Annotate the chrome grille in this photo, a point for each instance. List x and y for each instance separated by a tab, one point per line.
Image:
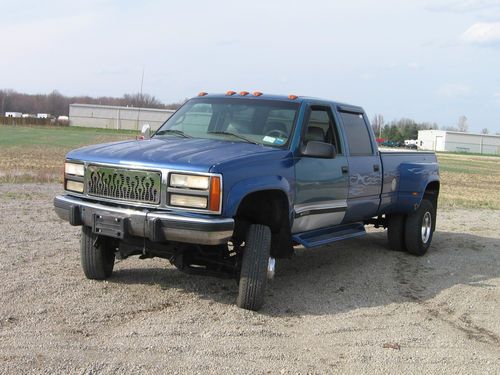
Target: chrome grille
123	184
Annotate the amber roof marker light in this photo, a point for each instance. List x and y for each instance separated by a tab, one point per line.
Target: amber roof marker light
229	93
257	93
202	93
244	93
292	97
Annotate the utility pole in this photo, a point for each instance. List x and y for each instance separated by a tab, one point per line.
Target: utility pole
141	100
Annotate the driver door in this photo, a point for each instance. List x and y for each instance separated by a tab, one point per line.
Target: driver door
321	184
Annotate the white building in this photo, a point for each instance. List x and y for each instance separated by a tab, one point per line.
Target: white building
115	117
13	114
443	140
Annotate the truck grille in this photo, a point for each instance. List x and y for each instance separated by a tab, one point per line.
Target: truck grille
123	184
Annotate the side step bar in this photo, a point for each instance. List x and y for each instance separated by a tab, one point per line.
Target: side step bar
324	236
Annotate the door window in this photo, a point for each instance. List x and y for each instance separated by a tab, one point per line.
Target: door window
322	128
357	134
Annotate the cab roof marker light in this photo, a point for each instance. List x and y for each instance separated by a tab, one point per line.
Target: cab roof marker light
202	93
229	93
257	93
292	97
244	93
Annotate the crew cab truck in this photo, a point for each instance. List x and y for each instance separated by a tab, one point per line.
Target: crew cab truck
231	182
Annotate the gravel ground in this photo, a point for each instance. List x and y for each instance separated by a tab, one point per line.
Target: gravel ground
353	307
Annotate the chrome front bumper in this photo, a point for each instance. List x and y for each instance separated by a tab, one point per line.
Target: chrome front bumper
155	225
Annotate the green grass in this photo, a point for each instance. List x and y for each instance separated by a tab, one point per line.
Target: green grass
36	153
71	137
469	181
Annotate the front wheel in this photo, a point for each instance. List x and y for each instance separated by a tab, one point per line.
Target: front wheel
97	256
254	267
419	228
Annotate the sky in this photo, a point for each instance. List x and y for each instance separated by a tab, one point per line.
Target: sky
425	60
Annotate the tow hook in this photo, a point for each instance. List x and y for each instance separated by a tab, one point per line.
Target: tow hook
271	267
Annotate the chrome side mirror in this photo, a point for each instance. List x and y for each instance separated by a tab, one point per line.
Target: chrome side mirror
146	131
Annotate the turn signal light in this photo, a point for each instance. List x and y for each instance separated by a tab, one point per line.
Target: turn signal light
215	191
292	97
203	93
230	92
244	93
257	93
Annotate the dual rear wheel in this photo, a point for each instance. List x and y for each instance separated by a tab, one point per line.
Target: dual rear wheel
412	233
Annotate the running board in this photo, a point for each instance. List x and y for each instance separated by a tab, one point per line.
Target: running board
320	237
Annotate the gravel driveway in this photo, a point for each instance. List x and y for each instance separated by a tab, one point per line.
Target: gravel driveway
353	307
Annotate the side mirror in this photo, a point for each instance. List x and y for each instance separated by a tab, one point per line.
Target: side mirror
146	131
317	149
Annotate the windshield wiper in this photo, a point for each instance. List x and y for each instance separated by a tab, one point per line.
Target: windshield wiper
234	135
173	131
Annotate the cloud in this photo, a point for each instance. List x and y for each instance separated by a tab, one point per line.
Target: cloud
454	90
482	33
414	65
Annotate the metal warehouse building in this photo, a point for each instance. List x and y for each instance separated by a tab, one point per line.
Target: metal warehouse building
114	117
441	140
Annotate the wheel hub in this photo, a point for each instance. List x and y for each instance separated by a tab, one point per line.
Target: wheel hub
271	266
426	227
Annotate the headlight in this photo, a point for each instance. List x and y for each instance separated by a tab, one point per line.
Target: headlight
191	191
189	181
74	169
188	201
74	186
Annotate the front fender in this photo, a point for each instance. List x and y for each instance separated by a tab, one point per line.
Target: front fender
251	185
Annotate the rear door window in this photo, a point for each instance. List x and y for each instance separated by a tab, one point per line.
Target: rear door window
356	130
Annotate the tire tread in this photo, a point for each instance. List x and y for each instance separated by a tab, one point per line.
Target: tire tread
254	268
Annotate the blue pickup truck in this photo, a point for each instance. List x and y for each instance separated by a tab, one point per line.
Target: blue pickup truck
231	182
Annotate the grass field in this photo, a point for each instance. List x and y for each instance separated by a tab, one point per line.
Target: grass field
36	154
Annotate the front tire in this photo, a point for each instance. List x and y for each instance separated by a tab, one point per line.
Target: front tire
253	277
97	261
420	228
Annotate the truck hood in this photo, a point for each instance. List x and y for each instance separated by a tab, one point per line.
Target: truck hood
170	153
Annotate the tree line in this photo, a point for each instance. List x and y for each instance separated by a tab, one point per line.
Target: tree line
57	104
402	129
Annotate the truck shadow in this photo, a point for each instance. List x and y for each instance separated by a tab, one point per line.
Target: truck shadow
348	275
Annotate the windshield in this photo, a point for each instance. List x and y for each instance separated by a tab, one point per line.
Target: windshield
259	121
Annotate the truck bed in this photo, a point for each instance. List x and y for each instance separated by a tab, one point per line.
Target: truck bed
415	167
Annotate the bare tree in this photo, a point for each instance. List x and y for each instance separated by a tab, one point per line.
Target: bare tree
463	124
57	104
377	124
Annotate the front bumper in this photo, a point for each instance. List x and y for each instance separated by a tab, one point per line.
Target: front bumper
154	225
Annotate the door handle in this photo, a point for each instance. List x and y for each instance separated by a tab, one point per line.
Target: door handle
345	169
376	167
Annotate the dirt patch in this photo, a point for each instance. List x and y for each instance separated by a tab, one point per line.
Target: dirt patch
353	307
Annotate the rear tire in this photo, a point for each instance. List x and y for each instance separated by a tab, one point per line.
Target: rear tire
97	261
420	228
253	277
396	232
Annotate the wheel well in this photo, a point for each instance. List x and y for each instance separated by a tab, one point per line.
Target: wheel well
267	207
431	192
